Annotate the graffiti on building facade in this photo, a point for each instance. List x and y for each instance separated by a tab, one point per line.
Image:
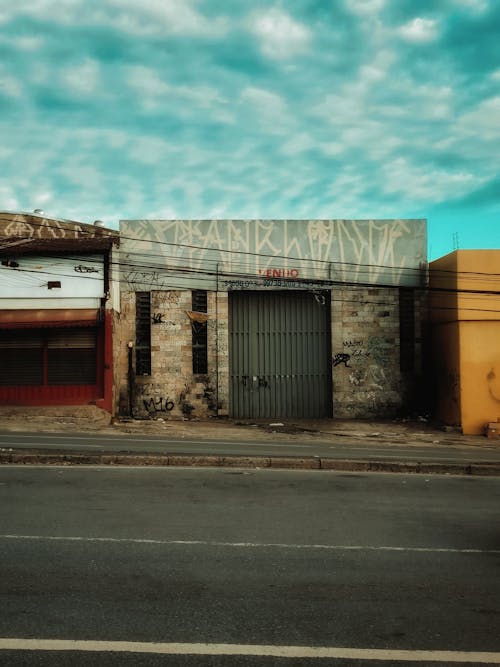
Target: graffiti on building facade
352	343
341	358
86	269
155	404
374	251
368	362
38	227
157	318
379	349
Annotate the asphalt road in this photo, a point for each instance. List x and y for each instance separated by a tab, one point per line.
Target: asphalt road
376	450
247	562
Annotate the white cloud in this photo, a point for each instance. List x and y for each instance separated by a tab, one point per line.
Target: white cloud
168	16
363	125
115	138
340	108
475	5
9	85
82	79
203	96
419	30
149	18
365	7
148	150
483	121
8	198
83	175
52	10
419	182
279	34
297	144
42	198
432	102
264	101
377	68
146	81
154	91
23	43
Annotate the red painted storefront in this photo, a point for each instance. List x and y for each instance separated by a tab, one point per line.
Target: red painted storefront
56	357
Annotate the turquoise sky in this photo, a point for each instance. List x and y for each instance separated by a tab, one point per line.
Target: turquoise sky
116	109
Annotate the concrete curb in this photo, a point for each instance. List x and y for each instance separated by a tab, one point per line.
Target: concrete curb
274	462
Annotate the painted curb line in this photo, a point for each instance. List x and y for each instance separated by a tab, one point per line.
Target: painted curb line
273	462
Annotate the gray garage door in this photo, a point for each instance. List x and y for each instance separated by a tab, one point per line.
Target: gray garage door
279	354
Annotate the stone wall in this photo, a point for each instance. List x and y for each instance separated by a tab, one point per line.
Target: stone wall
171	391
367	380
365	352
222	353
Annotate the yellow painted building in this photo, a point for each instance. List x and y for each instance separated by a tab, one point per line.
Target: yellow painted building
465	317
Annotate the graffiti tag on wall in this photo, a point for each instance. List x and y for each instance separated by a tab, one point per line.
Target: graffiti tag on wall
356	250
158	404
34	227
379	349
341	358
368	361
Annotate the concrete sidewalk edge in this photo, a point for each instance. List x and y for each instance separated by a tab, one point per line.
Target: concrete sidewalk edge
255	462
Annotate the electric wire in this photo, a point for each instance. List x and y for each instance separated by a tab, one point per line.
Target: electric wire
209	276
118	235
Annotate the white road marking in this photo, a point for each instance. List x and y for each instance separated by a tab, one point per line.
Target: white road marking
249	545
331	652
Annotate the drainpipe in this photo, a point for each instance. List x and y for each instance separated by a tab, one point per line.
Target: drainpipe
130	377
217	341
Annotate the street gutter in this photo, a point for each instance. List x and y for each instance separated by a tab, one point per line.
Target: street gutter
255	462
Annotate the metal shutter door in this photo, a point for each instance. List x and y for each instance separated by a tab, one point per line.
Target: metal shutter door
279	355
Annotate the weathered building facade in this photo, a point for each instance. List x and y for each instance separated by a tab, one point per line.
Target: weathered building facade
465	315
57	301
270	318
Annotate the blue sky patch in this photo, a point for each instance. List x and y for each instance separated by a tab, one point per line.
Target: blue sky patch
205	109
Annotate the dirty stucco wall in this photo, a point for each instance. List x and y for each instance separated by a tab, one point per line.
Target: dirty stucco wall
447	401
479	374
465	307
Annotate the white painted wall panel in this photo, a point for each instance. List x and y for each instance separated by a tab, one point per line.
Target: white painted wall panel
80	278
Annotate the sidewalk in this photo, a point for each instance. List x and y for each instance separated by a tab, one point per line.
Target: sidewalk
381	442
90	419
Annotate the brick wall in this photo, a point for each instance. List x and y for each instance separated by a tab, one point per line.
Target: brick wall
367	380
171	391
222	354
365	349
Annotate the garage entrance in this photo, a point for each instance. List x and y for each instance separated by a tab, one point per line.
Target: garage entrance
279	354
50	366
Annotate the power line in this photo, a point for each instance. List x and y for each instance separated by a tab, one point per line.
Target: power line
230	251
360	268
307	286
201	274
